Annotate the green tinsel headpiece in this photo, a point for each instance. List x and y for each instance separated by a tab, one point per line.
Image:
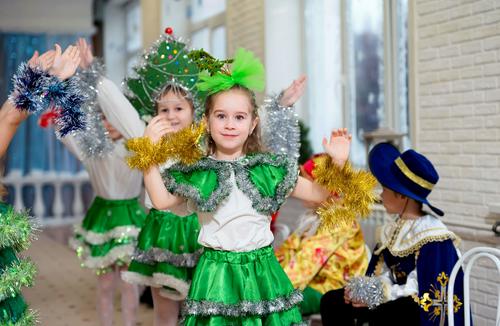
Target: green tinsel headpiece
165	63
246	71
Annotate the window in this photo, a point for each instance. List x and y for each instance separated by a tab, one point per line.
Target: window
370	67
376	69
207	26
133	45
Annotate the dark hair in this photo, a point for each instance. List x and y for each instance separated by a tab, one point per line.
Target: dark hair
177	91
253	143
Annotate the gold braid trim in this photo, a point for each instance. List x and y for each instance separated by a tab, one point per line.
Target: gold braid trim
354	187
183	146
416	247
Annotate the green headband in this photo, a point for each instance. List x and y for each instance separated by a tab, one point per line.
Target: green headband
247	71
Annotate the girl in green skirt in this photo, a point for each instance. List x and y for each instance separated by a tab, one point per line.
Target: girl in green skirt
234	190
105	240
167	249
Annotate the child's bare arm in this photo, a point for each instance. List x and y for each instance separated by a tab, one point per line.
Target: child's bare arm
158	193
310	191
10	119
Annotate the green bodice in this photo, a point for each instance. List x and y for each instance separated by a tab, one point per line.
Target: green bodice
267	179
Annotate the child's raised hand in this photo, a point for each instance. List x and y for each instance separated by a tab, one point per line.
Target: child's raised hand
294	92
86	55
43	61
157	128
33	61
338	146
65	64
46	60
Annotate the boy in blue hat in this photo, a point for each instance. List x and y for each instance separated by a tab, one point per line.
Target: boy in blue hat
406	281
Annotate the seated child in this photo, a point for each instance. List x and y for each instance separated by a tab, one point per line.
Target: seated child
406	282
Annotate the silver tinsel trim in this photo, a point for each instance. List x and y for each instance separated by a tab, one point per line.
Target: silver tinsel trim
100	238
159	255
241	167
280	129
189	191
264	204
120	253
367	290
93	141
244	308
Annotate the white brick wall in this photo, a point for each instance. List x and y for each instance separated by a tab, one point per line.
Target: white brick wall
245	26
457	71
245	21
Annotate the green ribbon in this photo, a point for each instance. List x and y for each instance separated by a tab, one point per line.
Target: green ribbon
247	71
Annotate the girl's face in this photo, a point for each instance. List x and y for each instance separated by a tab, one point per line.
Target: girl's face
231	121
176	109
393	202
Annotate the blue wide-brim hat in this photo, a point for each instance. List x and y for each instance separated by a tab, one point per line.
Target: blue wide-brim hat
410	173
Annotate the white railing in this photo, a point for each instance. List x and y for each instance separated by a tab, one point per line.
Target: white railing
471	256
39	179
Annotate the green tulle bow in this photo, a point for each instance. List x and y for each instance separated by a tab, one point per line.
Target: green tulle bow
247	71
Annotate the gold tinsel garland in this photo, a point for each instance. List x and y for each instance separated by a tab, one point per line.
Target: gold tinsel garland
183	146
355	190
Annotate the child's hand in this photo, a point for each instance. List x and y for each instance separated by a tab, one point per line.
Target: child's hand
347	297
43	61
347	300
294	92
157	128
46	60
33	62
65	64
86	55
338	146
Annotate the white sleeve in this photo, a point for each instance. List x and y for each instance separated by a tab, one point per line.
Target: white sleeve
118	110
147	201
70	143
396	291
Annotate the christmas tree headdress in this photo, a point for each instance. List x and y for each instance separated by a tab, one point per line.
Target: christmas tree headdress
167	63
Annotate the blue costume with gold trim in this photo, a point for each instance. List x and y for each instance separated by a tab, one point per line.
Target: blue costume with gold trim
416	257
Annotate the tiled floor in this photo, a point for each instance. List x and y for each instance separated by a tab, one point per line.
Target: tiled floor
64	293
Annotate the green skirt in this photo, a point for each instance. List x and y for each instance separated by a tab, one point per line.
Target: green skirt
108	233
241	288
166	253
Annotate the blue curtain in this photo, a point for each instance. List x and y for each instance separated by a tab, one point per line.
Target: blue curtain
33	148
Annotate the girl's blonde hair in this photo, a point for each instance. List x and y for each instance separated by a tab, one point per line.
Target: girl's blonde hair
253	143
